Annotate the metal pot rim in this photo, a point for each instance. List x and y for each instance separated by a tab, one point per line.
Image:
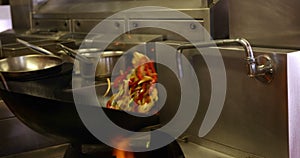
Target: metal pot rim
102	54
111	53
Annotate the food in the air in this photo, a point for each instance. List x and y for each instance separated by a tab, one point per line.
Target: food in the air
136	87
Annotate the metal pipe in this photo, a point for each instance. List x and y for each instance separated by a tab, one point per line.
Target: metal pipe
246	45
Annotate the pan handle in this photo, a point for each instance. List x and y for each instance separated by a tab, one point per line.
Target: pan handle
4	82
74	54
34	47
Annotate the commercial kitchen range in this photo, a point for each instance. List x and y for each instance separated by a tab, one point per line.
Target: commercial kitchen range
257	76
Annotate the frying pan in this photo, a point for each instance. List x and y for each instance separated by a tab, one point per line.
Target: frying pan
21	67
26	66
94	63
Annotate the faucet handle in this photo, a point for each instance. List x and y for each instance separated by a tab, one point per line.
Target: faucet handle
265	68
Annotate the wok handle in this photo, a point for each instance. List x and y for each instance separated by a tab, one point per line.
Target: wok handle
4	82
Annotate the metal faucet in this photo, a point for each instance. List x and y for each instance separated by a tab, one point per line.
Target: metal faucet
254	70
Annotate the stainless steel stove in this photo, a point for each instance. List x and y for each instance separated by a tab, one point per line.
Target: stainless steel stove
258	119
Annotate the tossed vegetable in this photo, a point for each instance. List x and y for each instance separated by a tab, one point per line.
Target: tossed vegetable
136	87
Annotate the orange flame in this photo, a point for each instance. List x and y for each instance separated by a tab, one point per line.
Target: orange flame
121	153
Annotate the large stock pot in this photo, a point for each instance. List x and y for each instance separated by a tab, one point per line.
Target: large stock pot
104	61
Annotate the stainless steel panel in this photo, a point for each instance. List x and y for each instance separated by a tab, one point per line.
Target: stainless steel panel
219	20
293	66
192	150
187	27
82	25
111	26
266	23
53	25
45	13
255	118
135	42
58	7
21	14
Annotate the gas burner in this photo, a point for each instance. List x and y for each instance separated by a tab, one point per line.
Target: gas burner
99	151
172	150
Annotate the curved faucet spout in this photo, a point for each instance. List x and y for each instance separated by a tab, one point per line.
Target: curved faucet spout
249	56
252	65
243	42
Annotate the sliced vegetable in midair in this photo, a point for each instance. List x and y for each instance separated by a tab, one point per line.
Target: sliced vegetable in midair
136	86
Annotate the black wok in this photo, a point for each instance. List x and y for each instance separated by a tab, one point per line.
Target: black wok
54	112
50	109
